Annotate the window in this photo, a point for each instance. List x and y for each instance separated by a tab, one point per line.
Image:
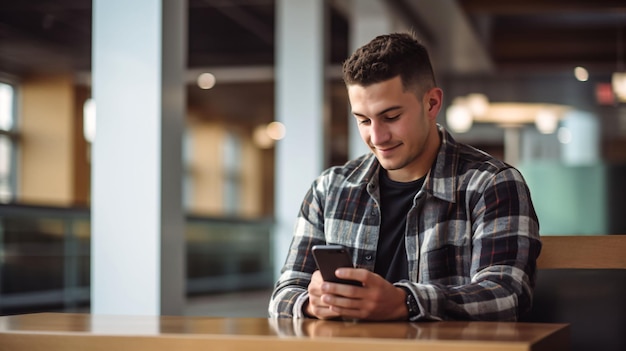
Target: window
8	143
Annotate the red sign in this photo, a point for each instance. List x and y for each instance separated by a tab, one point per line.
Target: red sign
604	94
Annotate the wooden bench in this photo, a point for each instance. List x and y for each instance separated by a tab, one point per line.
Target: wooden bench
581	280
583	252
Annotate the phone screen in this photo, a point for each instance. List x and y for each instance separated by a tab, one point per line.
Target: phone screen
330	257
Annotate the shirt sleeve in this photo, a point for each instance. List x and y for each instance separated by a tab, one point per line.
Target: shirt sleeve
505	245
290	292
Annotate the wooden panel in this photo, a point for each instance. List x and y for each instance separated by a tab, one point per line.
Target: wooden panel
592	252
46	145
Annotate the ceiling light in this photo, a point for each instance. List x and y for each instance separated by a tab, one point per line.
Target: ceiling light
581	74
89	120
206	81
477	103
546	121
276	130
519	113
266	135
459	118
619	85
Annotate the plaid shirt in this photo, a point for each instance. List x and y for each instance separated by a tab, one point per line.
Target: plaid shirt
472	235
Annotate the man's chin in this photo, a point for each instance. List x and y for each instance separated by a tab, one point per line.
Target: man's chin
387	164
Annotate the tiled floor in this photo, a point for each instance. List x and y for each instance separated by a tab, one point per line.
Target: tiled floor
240	304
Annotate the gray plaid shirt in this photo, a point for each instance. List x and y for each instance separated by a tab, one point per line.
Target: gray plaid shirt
472	235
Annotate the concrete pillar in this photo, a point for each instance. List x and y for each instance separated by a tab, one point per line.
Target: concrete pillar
137	218
300	61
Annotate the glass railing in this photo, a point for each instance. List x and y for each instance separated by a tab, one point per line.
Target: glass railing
45	257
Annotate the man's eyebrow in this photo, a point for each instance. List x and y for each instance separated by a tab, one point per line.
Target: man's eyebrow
387	110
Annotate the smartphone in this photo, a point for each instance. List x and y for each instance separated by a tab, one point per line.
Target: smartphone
330	257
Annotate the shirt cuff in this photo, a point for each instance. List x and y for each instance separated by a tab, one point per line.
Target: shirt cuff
297	306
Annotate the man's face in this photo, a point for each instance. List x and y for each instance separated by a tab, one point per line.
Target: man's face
398	126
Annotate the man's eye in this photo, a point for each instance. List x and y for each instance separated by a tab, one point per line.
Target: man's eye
391	118
364	121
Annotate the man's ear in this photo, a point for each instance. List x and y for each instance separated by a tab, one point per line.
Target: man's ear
434	98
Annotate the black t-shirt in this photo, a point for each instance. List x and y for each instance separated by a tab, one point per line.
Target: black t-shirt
396	198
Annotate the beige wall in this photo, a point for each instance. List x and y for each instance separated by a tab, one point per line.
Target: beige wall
205	166
46	107
207	174
252	178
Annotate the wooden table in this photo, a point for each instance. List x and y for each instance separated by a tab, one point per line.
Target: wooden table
68	332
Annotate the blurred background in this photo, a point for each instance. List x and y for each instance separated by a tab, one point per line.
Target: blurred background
540	84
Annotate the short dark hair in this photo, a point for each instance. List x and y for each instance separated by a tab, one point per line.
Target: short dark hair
388	56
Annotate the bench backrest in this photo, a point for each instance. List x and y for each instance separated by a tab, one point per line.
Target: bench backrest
581	280
584	252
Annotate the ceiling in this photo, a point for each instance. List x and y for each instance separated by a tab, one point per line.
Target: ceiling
554	34
518	35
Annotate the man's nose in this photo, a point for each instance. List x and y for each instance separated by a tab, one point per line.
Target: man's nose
379	133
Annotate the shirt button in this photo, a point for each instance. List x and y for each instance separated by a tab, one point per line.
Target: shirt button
368	257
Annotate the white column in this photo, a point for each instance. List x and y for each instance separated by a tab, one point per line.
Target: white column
300	53
137	244
368	19
580	137
512	137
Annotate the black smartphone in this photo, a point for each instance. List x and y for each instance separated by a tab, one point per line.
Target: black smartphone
330	257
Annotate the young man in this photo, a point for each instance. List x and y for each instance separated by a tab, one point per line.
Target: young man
437	229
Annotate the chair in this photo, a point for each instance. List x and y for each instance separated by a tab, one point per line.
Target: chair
581	280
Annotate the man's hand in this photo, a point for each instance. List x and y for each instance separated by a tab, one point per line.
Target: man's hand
377	299
316	307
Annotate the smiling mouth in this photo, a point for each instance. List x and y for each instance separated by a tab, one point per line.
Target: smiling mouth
387	150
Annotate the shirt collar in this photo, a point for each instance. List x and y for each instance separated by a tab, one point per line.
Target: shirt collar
442	178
